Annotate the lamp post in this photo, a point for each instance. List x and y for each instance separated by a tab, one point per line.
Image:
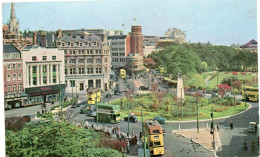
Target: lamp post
143	134
197	112
213	128
104	88
181	107
244	82
96	108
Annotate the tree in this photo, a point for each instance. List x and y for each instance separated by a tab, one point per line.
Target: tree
223	88
57	139
204	66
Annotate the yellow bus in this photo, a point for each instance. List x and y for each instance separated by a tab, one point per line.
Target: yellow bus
93	96
154	137
161	70
250	94
122	73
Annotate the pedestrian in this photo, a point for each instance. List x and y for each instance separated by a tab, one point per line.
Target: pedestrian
255	128
140	136
231	125
245	145
217	127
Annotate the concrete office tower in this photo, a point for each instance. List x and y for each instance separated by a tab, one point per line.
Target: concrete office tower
180	89
136	40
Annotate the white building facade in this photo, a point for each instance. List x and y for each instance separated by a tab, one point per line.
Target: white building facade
43	74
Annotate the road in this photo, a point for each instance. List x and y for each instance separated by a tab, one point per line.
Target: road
231	140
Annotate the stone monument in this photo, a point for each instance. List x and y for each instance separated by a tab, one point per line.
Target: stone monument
180	90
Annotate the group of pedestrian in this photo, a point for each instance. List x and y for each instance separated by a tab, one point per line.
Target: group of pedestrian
44	107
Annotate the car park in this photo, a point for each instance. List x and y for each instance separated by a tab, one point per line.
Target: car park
160	119
132	118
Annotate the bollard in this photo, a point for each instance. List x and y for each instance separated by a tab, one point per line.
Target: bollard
179	126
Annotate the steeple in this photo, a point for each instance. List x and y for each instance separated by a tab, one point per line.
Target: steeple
13	24
12	15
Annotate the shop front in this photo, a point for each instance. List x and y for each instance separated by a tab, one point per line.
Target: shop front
38	95
15	100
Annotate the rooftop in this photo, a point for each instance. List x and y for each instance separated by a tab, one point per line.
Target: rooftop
79	39
10	48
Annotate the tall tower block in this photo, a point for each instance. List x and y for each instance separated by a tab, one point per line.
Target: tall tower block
136	40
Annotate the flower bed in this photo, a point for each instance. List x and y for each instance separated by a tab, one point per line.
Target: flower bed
220	109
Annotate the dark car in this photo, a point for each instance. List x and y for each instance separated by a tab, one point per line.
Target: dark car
27	118
143	88
160	119
74	105
214	95
132	118
108	96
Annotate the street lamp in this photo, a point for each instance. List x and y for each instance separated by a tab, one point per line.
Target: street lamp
197	112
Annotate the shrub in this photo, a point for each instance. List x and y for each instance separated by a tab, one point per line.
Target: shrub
14	123
243	73
220	109
226	72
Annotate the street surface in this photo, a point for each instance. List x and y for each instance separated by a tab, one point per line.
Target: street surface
176	145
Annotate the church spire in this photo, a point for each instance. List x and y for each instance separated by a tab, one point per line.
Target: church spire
12	15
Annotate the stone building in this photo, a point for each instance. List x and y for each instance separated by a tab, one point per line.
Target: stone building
13	77
177	35
43	74
87	61
134	64
119	49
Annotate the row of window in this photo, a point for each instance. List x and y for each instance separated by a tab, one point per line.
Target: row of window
79	44
44	68
12	56
74	52
14	78
118	49
14	88
19	66
88	61
82	71
98	83
117	43
44	58
118	60
116	54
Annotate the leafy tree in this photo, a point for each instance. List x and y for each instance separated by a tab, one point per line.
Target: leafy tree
57	139
223	88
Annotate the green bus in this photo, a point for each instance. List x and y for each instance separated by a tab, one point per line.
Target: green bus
108	113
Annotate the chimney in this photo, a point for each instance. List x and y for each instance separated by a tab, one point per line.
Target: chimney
59	34
35	37
43	39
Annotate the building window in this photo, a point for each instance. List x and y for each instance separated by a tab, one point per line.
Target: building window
14	88
19	76
100	51
105	60
44	58
121	43
8	77
65	71
19	66
72	71
19	88
72	61
81	60
34	69
98	70
14	76
98	83
8	66
33	58
9	89
90	61
114	49
54	79
72	83
54	58
105	69
53	68
98	60
81	70
14	66
90	70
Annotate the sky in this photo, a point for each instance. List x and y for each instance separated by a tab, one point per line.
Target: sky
221	22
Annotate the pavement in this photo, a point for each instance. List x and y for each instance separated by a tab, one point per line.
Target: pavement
203	137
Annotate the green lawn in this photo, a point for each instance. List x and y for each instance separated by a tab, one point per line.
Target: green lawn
222	76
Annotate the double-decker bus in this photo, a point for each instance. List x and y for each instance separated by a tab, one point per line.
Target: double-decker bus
108	113
250	93
122	73
154	137
94	95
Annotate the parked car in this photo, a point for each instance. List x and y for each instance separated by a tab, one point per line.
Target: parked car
108	95
252	127
132	118
160	119
214	95
57	110
27	118
143	88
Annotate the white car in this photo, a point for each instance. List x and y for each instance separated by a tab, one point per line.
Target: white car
57	110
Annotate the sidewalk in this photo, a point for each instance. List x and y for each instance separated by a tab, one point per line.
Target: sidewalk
203	138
